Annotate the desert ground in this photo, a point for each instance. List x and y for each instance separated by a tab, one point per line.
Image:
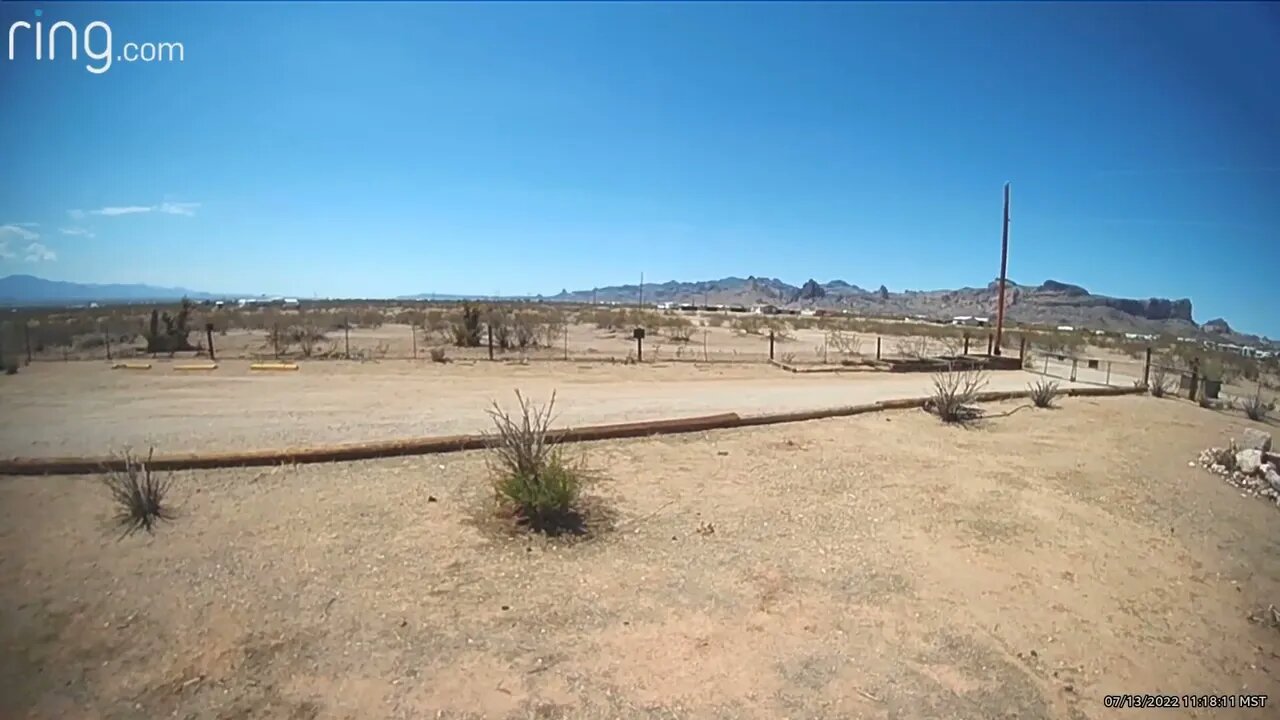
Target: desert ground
81	408
880	566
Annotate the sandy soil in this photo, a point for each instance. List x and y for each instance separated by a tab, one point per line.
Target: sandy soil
882	566
57	409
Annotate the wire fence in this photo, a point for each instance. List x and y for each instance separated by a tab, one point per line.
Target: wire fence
594	337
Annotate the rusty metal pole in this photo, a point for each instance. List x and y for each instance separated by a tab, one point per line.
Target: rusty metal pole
1004	269
346	336
1146	369
208	330
770	344
490	327
26	336
106	340
877	347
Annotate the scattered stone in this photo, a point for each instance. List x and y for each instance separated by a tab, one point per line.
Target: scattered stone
1272	477
1249	461
1255	439
1249	470
431	498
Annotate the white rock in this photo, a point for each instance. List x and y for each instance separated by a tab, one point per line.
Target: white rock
1273	477
1249	461
1254	439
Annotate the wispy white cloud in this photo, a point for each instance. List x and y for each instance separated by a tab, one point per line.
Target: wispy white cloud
37	252
76	232
76	214
167	208
124	210
178	208
18	230
5	252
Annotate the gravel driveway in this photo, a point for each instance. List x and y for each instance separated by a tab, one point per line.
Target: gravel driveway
55	409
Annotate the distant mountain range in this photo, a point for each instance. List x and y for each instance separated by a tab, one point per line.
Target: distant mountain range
28	290
1050	303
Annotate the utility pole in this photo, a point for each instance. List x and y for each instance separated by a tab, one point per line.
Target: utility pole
640	306
1004	269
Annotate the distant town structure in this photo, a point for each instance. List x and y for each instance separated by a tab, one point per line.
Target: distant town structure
971	320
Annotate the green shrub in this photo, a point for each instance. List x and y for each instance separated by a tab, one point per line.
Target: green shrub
1043	393
466	328
530	473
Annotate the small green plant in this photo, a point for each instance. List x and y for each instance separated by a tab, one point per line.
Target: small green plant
1043	393
530	473
954	392
138	494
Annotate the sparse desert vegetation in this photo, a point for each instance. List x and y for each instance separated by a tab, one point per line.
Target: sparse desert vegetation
758	570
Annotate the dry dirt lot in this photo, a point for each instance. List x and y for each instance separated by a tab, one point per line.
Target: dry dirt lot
57	409
882	566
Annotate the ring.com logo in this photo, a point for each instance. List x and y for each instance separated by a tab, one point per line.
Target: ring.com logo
95	40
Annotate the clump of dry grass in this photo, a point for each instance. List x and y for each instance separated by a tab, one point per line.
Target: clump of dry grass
954	392
138	494
1159	385
439	355
531	474
1255	408
1043	393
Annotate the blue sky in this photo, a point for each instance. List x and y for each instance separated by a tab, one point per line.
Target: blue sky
385	149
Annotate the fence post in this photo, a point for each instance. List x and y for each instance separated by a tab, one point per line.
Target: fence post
877	347
1195	378
1022	348
966	344
1074	364
106	340
771	345
490	328
275	339
1108	382
1046	365
346	336
208	331
1146	369
639	348
990	342
566	341
414	329
26	336
705	357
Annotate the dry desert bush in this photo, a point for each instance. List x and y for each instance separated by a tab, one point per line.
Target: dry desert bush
530	473
1160	382
954	393
138	495
1043	393
1255	408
